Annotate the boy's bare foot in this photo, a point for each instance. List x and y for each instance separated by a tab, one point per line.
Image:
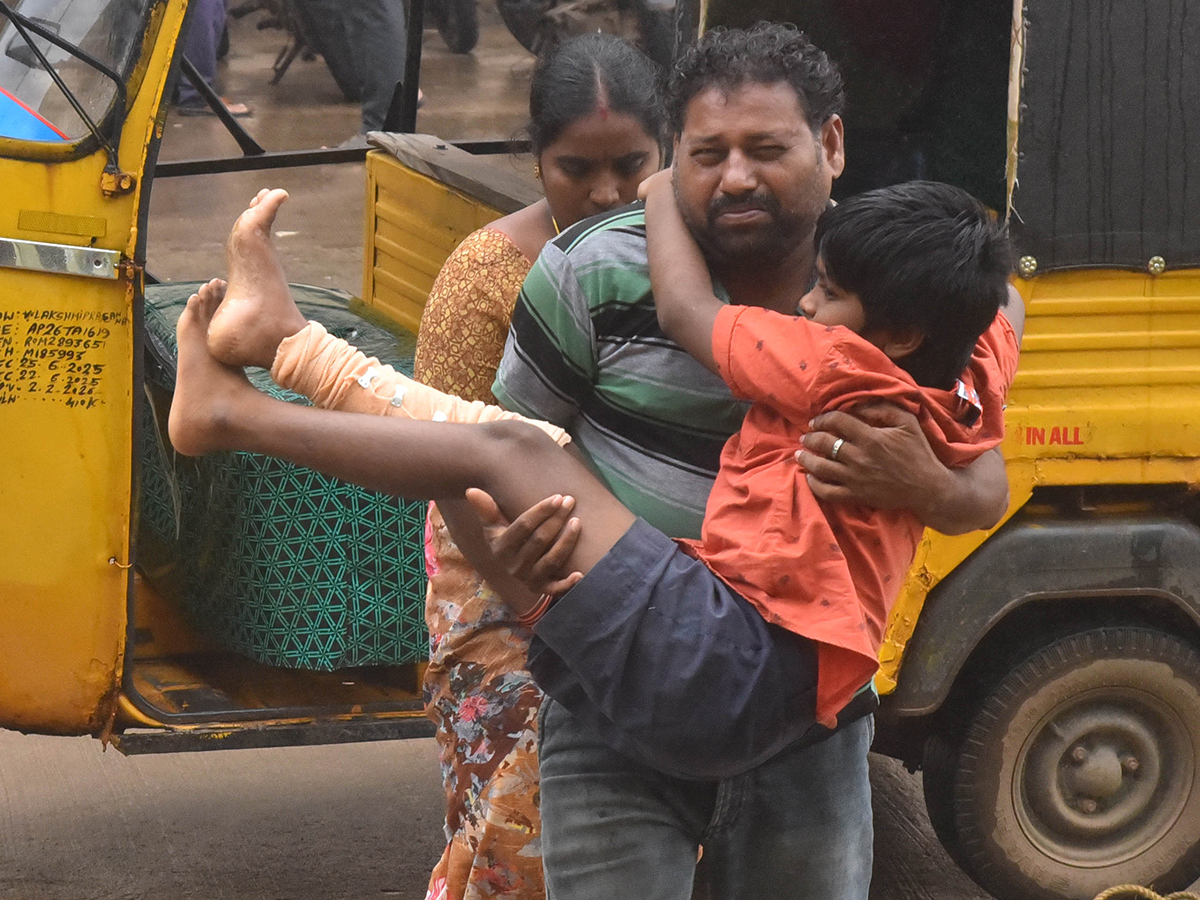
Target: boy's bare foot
208	395
258	311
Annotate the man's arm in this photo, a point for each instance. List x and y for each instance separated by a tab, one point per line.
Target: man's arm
519	560
471	537
886	462
683	294
534	548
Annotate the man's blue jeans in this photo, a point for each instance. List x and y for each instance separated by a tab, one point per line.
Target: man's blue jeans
206	24
797	826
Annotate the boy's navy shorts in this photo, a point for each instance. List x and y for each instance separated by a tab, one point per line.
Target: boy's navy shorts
672	666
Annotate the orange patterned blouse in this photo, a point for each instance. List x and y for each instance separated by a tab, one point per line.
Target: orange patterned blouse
466	317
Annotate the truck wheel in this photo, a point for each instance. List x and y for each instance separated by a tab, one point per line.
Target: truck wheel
1080	770
937	781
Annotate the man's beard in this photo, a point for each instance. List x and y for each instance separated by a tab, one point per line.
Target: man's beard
763	246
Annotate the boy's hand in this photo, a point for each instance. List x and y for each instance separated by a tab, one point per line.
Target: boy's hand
659	181
534	548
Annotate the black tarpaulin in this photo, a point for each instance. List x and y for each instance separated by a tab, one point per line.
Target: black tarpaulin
1109	165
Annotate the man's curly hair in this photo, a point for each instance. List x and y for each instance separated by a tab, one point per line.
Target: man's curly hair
768	53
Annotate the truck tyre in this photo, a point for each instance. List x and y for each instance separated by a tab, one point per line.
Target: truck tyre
937	781
1079	771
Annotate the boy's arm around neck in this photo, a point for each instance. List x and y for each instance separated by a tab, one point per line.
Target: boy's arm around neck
683	294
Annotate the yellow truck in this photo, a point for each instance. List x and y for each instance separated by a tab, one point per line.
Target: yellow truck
1044	675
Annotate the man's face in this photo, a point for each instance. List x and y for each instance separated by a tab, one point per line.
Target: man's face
751	178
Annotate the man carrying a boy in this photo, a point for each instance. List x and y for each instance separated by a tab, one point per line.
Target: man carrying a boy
759	142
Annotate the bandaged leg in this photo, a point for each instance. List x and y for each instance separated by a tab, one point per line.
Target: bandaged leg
335	375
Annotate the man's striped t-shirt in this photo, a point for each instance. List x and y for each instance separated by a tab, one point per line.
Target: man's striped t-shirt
586	353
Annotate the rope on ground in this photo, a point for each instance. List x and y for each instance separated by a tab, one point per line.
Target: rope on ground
1136	890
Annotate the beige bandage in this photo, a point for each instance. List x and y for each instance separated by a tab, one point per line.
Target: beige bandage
334	375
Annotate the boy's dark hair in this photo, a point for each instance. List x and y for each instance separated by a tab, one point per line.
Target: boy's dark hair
567	80
920	255
768	53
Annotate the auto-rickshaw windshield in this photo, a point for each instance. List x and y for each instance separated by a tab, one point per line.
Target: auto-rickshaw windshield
89	37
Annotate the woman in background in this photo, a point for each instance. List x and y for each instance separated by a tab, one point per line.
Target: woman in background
597	130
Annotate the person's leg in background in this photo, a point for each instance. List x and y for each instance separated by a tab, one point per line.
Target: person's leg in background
368	38
207	24
798	827
377	30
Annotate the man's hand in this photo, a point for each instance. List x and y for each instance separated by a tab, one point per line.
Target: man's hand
883	460
534	548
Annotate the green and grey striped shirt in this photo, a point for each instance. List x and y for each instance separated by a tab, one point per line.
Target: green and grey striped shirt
586	353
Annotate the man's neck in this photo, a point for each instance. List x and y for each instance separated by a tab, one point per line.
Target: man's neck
778	287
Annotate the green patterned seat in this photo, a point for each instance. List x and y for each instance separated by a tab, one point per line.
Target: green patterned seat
273	561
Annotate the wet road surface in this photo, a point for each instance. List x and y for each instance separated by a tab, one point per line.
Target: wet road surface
481	95
349	822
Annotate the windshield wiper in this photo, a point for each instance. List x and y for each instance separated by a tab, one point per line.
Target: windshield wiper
24	25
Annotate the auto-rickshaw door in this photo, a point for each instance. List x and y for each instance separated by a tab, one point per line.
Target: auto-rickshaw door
80	84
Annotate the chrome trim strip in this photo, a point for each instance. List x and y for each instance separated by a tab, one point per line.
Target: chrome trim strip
61	259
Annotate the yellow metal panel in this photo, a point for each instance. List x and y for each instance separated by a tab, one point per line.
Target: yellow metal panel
936	557
66	410
413	223
65	406
367	291
1108	392
51	223
1110	367
404	248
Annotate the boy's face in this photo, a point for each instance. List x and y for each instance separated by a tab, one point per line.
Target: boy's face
828	304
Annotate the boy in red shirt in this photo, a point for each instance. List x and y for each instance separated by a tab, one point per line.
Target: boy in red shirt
908	278
774	619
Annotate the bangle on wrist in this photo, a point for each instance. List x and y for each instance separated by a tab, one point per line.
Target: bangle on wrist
530	617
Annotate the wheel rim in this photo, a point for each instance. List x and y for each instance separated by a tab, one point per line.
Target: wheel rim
1103	777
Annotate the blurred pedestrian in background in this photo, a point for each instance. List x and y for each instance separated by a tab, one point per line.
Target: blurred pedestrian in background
206	26
364	41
